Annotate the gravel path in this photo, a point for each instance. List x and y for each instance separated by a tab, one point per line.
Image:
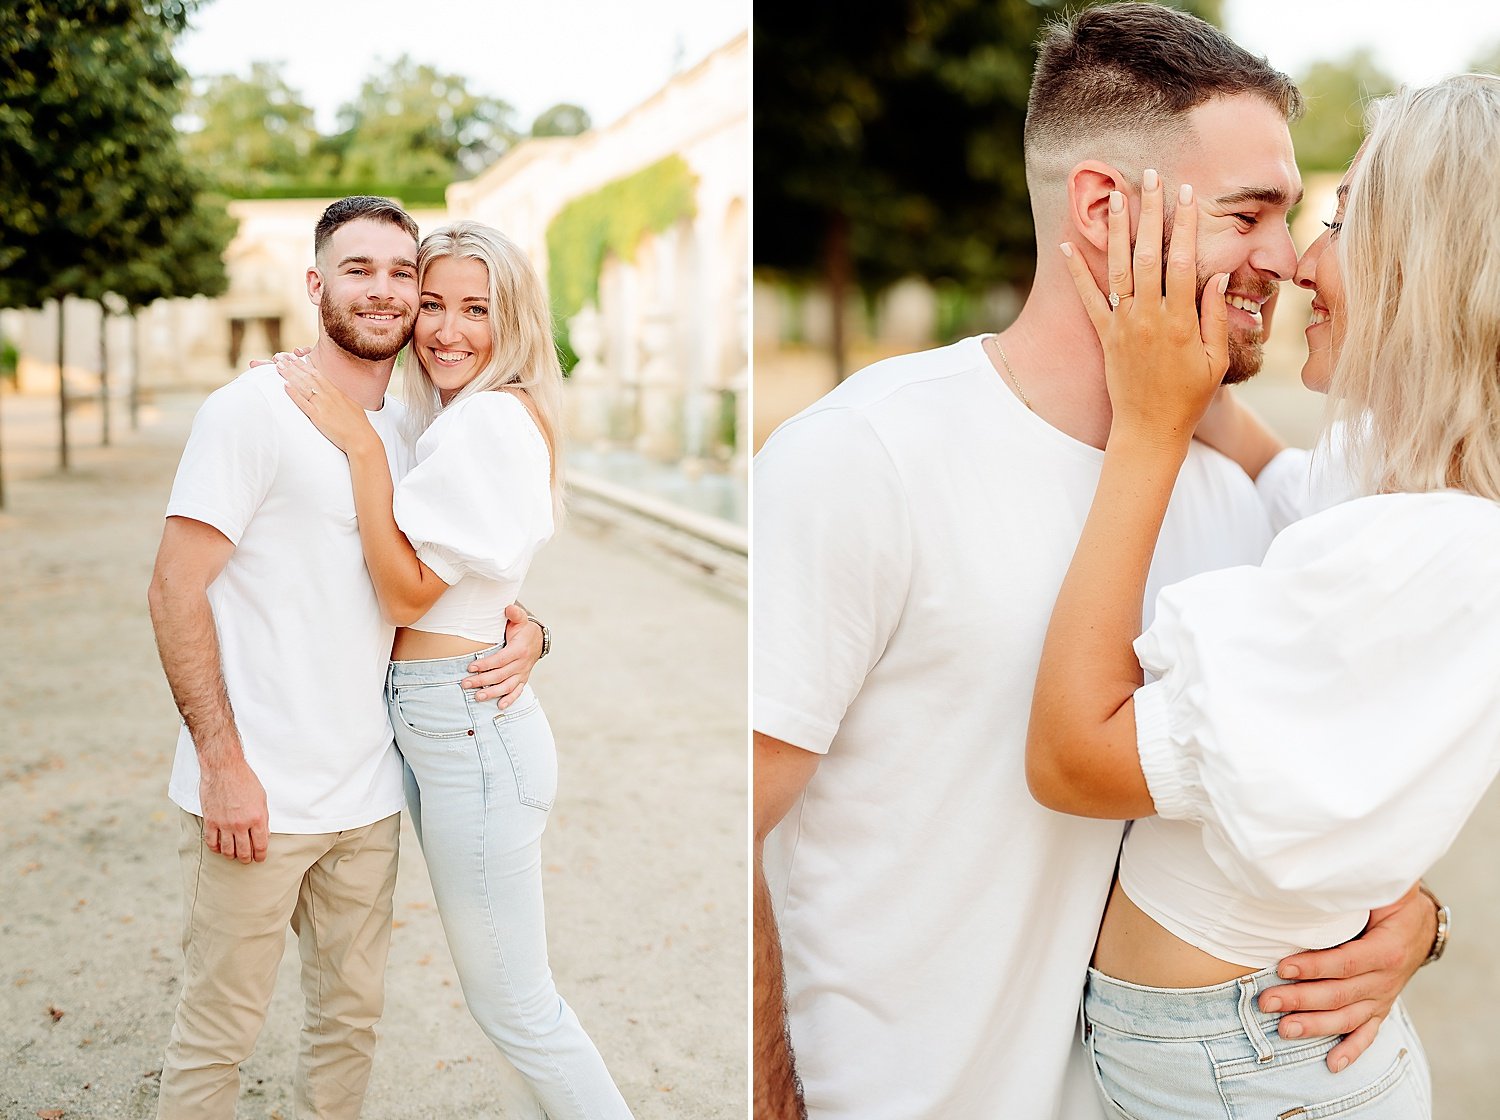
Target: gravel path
645	855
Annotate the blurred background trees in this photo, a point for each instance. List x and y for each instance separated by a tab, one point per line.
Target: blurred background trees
251	132
91	174
414	116
410	131
116	168
1336	92
850	187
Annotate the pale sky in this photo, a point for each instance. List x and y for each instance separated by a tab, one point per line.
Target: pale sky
1416	41
605	55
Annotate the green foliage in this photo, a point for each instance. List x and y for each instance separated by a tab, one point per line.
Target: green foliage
254	132
90	170
905	118
190	262
1336	92
410	132
611	220
10	359
727	423
561	120
413	122
409	194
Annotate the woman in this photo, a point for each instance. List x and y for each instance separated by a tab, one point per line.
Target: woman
1317	728
484	392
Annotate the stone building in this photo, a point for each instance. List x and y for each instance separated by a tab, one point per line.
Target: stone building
662	342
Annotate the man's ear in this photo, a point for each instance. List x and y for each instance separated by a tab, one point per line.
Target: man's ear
1089	187
314	286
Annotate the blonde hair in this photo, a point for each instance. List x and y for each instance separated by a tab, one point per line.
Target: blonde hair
1417	378
524	353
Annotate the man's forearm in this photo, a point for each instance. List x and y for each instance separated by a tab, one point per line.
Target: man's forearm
778	1093
188	646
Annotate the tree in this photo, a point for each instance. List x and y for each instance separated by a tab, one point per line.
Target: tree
411	123
90	172
254	132
1336	92
190	262
888	141
561	120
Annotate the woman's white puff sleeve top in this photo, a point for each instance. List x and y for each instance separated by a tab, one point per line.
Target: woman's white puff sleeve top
1331	717
1298	483
477	507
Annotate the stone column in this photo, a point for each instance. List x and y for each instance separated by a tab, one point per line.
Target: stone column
660	434
619	302
588	389
739	386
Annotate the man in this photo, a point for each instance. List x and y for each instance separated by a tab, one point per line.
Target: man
912	529
269	631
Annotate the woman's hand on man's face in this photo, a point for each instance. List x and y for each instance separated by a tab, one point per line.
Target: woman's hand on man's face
1164	358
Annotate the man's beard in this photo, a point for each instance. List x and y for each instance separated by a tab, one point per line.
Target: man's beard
344	330
1246	353
1246	350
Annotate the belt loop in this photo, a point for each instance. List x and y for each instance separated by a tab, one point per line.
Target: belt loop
1253	1031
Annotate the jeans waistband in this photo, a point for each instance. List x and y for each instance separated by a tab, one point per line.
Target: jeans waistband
1185	1013
436	670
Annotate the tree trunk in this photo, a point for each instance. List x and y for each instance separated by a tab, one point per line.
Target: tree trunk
62	395
838	268
104	370
135	368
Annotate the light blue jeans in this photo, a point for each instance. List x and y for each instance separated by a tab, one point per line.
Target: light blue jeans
479	785
1199	1053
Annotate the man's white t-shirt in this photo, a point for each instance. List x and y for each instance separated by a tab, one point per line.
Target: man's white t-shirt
302	642
912	529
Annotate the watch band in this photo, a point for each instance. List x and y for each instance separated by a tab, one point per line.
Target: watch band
1444	925
546	635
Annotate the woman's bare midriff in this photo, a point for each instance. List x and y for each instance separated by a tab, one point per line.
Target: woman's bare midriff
1134	948
421	645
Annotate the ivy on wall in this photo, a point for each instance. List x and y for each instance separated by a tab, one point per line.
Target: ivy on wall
610	221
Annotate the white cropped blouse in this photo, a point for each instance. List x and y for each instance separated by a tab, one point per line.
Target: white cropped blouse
477	507
1320	726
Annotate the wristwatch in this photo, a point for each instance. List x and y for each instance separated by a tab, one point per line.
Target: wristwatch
547	643
1444	923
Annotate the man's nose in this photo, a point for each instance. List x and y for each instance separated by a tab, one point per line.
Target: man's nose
1278	255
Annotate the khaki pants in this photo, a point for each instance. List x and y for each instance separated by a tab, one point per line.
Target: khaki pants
334	889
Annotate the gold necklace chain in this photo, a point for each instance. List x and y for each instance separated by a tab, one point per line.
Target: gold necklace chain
1012	373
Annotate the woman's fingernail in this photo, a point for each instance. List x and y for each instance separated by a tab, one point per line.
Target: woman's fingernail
1292	1030
1067	250
1149	180
1185	194
1286	971
1224	287
1341	1065
1116	202
1271	1005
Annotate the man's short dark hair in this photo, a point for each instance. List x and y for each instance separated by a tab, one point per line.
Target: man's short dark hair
1138	67
357	206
